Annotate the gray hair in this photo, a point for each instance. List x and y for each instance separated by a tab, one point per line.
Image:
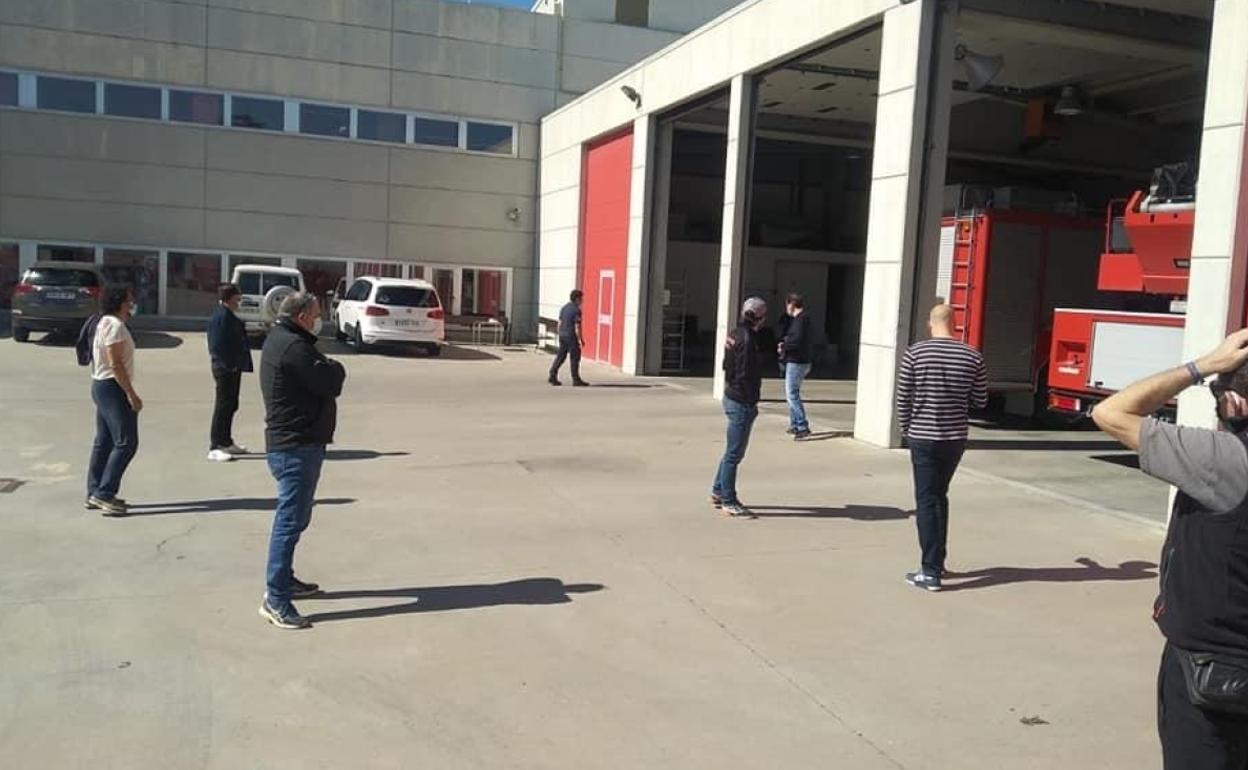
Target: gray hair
296	304
754	308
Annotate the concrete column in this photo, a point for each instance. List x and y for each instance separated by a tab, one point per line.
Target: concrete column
660	209
1220	243
638	260
901	173
736	211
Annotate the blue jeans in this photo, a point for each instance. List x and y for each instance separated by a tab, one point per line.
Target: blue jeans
116	439
793	376
740	422
934	463
297	472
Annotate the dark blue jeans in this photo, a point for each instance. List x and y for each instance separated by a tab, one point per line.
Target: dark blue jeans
116	439
568	348
297	472
740	423
793	376
934	463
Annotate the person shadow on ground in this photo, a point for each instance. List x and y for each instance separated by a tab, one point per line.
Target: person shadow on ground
1088	571
530	591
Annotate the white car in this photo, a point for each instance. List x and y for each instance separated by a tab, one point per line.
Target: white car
376	311
263	288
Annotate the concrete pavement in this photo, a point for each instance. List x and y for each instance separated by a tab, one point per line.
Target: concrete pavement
527	577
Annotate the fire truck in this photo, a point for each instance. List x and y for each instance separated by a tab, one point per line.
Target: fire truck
1145	261
1008	259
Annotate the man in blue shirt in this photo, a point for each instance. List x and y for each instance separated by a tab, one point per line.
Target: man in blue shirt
231	356
571	340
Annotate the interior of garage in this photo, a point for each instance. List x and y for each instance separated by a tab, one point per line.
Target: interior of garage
809	189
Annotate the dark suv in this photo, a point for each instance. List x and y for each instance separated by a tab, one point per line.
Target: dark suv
56	297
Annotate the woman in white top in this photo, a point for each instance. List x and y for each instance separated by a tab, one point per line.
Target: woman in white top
117	405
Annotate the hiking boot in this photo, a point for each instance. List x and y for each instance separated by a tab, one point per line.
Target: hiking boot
287	617
923	580
302	590
111	507
737	510
220	456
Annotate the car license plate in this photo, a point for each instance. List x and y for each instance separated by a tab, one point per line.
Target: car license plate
61	295
404	324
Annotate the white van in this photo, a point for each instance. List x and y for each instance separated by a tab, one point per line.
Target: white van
263	288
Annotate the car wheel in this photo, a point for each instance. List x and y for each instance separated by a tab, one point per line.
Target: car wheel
360	347
339	334
21	334
434	350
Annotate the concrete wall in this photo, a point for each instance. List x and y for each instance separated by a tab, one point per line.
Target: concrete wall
669	15
92	178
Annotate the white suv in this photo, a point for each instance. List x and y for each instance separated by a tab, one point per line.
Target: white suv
391	311
263	288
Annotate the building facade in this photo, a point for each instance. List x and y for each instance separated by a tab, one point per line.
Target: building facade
170	140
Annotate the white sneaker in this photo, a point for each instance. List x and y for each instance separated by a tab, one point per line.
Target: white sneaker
220	456
235	449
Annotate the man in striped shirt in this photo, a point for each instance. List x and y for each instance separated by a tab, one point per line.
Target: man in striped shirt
940	381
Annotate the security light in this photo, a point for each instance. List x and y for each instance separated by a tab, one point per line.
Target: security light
980	69
632	95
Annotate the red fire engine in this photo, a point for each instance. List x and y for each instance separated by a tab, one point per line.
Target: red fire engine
1147	252
1006	263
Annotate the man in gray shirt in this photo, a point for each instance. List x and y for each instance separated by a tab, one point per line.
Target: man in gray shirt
1202	606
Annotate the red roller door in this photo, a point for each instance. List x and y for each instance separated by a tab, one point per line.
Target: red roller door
605	188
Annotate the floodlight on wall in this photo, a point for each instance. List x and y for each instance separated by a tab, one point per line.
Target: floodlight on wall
1070	104
513	214
632	95
980	69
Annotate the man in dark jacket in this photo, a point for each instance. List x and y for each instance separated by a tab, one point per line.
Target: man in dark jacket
1202	609
571	340
231	356
299	385
743	379
796	351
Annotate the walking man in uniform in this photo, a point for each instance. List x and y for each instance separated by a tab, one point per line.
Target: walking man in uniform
571	340
1202	609
940	381
300	386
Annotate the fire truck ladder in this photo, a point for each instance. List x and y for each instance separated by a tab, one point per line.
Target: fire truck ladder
963	273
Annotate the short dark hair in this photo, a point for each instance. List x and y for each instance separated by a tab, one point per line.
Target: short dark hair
227	292
576	295
114	298
796	300
1236	380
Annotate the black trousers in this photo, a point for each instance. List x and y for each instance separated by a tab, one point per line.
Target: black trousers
568	349
228	384
1191	738
934	464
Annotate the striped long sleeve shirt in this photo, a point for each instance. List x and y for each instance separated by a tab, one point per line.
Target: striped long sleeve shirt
940	381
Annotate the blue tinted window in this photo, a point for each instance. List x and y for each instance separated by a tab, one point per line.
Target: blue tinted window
263	114
66	94
323	120
195	107
440	133
381	126
131	101
489	137
8	89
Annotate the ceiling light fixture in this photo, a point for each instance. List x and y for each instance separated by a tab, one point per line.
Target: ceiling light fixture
1070	104
980	69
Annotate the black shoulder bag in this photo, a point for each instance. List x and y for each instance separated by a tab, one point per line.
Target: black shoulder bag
1215	682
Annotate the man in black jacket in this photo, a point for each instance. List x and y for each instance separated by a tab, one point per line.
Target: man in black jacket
231	356
796	351
299	385
743	379
1202	609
